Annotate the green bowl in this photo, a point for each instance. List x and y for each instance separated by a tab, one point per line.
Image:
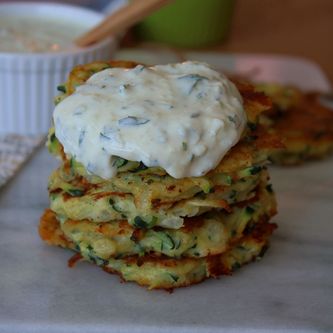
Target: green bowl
188	23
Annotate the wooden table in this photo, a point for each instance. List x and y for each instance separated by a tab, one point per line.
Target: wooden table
301	28
294	27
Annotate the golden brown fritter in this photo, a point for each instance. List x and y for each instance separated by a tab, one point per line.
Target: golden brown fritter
303	122
164	272
203	235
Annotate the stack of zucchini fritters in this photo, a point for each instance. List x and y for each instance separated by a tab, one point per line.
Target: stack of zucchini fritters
159	231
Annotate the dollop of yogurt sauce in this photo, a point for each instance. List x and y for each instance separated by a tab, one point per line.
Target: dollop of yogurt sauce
182	117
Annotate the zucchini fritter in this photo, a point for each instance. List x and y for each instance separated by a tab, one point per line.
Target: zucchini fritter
203	235
303	122
164	272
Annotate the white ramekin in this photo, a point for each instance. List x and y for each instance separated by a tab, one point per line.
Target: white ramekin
28	81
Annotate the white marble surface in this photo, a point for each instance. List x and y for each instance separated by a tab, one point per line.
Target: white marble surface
290	290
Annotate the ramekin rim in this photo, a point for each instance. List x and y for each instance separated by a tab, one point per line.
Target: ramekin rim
61	54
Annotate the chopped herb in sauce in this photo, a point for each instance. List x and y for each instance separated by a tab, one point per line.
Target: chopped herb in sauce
91	167
232	119
79	110
124	87
81	137
200	95
149	102
195	115
132	121
107	133
195	79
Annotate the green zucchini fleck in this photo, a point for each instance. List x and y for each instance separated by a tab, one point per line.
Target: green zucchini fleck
255	169
119	162
141	223
222	179
178	243
206	186
251	138
52	137
174	277
262	252
62	88
269	188
75	192
53	144
250	171
249	210
236	266
233	194
193	246
166	240
249	228
252	126
114	206
139	168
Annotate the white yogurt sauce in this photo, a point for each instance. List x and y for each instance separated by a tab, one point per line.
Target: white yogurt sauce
34	34
181	117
